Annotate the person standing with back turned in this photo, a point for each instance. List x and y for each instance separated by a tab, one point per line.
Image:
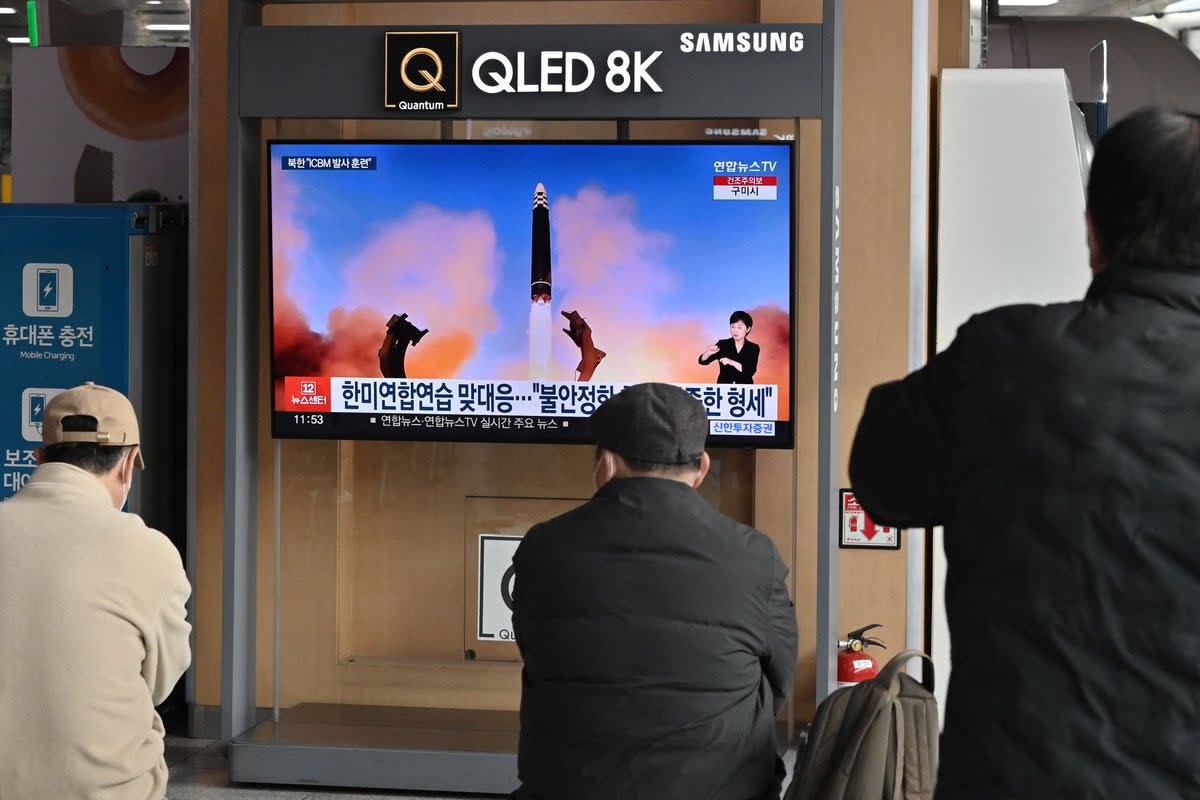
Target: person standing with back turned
658	636
1060	447
93	619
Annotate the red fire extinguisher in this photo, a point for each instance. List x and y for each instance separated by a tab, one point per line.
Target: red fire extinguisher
854	663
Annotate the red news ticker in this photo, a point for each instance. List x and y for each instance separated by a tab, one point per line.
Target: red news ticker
745	180
306	394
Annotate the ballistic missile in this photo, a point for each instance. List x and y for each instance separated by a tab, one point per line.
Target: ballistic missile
539	265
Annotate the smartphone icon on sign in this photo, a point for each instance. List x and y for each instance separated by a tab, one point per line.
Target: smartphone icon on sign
47	290
37	410
33	411
47	283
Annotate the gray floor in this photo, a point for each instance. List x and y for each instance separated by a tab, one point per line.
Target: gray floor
199	771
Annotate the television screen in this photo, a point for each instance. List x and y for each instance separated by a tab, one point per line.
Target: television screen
502	291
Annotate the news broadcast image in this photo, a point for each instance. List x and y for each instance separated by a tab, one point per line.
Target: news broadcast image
502	291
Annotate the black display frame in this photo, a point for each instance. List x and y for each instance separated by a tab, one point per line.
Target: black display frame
353	426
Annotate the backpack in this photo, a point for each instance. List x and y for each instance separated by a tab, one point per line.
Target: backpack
875	740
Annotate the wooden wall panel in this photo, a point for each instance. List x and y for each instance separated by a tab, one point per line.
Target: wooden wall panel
875	271
373	573
951	33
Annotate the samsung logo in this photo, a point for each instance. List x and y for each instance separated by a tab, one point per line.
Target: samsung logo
742	42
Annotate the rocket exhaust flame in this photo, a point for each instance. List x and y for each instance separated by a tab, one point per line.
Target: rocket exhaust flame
541	330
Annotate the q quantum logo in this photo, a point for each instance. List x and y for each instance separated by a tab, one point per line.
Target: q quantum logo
421	70
507	584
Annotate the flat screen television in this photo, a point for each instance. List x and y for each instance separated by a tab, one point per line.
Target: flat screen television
500	292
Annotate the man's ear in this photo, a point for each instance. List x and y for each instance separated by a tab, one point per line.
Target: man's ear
705	463
129	465
1096	256
605	467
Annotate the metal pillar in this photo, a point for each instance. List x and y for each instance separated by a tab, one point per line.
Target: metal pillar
241	396
829	446
193	343
918	289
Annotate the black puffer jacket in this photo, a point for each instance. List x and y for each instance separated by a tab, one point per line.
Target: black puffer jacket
1060	447
659	644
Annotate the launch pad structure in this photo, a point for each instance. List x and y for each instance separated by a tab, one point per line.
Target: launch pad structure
305	72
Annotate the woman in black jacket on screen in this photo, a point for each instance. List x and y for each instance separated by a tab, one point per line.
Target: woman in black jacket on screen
737	355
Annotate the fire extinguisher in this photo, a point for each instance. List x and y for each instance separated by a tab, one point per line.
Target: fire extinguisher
854	663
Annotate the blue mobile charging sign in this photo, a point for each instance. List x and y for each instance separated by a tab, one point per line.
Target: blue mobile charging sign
64	316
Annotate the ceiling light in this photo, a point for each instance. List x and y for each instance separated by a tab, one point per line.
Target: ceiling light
1028	2
7	10
1182	5
18	40
168	26
154	2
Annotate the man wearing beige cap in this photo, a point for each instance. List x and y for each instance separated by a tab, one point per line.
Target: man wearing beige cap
658	635
93	624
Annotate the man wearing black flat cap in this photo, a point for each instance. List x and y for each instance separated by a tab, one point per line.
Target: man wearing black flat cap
658	636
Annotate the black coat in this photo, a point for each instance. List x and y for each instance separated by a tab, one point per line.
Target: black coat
748	358
659	644
1060	447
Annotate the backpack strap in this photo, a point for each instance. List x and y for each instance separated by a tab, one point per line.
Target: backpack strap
887	675
898	770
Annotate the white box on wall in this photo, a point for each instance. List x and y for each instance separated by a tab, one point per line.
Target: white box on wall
1011	197
126	107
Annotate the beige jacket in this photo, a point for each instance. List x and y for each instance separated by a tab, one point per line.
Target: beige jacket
93	635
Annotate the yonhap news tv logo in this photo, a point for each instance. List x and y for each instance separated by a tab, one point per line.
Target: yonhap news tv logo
421	70
306	394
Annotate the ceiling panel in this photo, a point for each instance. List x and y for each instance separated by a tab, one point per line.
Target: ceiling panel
1088	8
131	23
74	21
11	24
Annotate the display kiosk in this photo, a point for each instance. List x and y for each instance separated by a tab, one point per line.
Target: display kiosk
396	673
